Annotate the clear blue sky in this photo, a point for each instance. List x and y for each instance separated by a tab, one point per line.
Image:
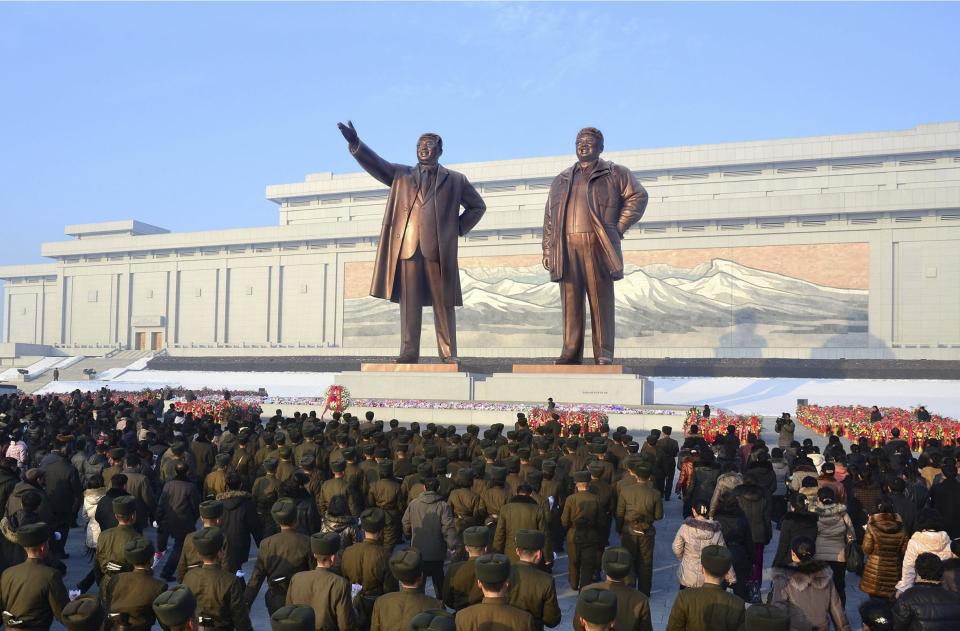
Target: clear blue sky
180	114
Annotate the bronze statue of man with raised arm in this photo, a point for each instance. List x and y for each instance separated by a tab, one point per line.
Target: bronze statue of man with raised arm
589	207
416	261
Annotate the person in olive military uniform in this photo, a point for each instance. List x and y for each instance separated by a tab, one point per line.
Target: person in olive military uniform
493	497
581	518
211	512
522	512
394	611
337	485
279	557
638	507
327	593
494	612
110	558
596	610
219	593
176	609
633	607
711	607
131	604
532	589
464	502
367	563
32	593
385	495
293	618
85	613
460	587
433	620
266	491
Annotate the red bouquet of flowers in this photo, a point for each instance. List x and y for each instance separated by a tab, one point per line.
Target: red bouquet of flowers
587	421
719	421
219	411
853	422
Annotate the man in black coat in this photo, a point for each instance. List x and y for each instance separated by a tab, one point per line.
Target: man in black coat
177	514
945	497
927	606
62	484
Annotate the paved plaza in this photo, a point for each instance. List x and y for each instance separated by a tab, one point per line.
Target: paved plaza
665	584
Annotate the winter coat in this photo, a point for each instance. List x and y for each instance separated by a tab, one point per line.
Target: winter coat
786	432
704	482
692	537
736	531
927	607
88	515
239	523
764	476
344	525
809	596
935	542
834	530
782	470
883	545
428	524
725	484
862	502
945	497
8	480
793	525
92	465
755	503
178	508
951	575
906	509
15	501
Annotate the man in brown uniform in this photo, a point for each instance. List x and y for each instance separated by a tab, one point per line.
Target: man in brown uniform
326	592
633	608
84	613
337	485
460	588
219	593
385	495
397	609
464	502
494	612
596	610
110	559
589	208
32	593
520	513
266	491
211	513
532	589
638	507
279	557
367	564
581	518
711	607
131	604
293	618
215	482
176	609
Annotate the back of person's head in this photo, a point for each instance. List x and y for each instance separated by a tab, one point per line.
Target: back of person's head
798	502
931	520
93	481
701	508
877	615
885	505
929	567
118	481
431	484
337	506
826	495
234	481
804	548
180	471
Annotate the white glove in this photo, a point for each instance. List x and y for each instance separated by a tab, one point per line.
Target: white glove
57	536
240	574
156	525
73	594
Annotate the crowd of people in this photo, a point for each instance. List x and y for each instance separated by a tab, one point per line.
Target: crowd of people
353	517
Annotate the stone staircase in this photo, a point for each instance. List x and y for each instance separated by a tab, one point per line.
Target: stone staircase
119	359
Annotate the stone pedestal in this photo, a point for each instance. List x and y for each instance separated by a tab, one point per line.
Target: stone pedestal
442	382
566	384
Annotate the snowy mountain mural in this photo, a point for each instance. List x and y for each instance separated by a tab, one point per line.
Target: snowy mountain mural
717	303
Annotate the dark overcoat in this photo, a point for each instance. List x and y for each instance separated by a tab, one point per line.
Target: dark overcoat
616	201
451	191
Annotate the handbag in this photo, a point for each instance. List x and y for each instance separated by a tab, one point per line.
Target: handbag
854	558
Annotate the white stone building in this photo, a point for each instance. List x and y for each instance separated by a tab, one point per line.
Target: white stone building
834	246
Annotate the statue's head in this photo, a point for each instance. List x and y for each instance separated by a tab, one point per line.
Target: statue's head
429	148
589	144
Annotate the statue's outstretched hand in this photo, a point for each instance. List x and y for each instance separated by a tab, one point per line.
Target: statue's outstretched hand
349	133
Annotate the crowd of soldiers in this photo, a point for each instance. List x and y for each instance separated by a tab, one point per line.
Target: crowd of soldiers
353	516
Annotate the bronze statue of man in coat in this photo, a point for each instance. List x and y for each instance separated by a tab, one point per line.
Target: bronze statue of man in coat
589	208
417	255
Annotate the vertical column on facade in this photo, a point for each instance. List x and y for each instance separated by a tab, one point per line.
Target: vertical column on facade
220	333
882	307
6	312
273	305
173	305
125	311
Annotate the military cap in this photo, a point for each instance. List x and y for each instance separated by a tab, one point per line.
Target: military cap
492	568
489	433
473	429
385	468
175	606
641	467
34	474
406	565
617	562
595	468
178	447
716	560
381	452
325	543
433	620
338	466
211	509
524	453
270	464
574	430
83	614
138	551
581	477
490	452
368	450
284	511
476	536
372	520
33	535
768	618
308	461
464	476
402	447
596	448
497	427
497	473
530	539
349	453
534	478
597	606
208	541
118	453
285	452
125	505
548	466
293	618
425	469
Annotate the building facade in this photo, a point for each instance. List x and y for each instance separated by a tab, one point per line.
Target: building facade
823	247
